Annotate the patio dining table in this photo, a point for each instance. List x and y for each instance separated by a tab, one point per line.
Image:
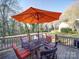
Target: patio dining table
39	43
36	46
47	49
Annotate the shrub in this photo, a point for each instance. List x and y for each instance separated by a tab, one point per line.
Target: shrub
66	30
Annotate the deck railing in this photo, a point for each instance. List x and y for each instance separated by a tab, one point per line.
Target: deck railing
68	40
7	41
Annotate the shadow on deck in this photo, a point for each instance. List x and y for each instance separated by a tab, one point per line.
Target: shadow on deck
63	52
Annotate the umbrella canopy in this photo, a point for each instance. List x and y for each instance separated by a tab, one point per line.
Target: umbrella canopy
34	15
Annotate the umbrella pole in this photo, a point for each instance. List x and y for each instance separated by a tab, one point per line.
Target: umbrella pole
42	31
28	33
38	31
38	25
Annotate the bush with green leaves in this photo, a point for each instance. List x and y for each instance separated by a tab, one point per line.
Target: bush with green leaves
66	30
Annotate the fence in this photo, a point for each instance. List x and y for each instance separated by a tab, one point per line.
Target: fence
68	40
8	41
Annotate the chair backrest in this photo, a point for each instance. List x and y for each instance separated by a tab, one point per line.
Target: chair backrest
49	38
25	42
16	50
24	39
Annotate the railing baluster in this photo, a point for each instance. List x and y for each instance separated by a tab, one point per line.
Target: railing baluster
6	43
1	45
9	42
67	40
17	41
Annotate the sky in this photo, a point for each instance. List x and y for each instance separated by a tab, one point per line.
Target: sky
51	5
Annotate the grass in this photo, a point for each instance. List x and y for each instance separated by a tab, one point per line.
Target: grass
54	32
68	34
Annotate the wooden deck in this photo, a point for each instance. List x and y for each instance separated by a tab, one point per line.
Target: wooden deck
63	52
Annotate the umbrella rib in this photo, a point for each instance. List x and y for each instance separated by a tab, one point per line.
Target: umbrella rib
34	9
23	14
48	15
32	20
30	13
29	16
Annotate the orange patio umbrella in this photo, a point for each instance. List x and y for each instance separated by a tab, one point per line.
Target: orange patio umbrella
35	15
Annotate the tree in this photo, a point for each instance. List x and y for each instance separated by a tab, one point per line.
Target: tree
7	8
34	27
5	11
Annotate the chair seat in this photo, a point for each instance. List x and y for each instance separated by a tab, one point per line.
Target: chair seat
24	51
21	54
24	55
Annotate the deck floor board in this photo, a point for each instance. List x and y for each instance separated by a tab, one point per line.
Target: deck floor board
63	52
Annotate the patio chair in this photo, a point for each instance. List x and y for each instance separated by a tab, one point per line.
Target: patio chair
21	54
49	38
49	54
25	43
46	40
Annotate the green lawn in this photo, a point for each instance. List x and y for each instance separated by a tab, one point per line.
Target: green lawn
69	34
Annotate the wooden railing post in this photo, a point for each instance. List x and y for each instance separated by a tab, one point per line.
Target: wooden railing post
56	40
